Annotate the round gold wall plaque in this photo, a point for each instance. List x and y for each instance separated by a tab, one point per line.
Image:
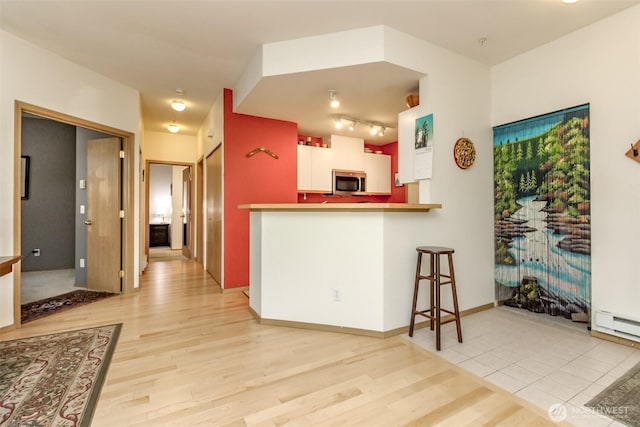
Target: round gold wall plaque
464	153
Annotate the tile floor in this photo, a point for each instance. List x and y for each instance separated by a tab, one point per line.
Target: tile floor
37	285
545	360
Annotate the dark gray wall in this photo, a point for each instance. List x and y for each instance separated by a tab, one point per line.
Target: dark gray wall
48	216
82	136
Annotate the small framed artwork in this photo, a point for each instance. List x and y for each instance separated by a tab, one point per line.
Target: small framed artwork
396	180
24	177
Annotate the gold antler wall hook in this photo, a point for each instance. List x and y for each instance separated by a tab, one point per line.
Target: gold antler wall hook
262	150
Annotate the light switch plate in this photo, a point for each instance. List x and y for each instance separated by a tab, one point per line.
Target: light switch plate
83	183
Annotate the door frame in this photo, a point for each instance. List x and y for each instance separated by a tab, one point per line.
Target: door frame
147	168
128	191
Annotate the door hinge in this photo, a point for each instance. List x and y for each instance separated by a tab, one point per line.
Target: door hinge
121	214
121	274
122	154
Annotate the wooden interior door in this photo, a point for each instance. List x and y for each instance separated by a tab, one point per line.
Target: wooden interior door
199	235
214	215
187	244
104	235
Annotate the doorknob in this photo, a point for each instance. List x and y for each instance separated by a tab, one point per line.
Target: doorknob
88	222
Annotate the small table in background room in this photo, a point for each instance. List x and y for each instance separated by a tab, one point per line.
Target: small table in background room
158	234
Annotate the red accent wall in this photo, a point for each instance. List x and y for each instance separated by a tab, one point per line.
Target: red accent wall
257	179
397	193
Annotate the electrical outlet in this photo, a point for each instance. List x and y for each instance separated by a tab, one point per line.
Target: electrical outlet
81	262
337	295
36	252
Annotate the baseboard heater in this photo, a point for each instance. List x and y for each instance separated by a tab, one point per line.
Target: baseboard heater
618	325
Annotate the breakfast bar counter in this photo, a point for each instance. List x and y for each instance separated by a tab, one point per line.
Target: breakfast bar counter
343	207
346	267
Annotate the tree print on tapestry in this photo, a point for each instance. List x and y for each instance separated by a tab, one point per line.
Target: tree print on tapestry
542	213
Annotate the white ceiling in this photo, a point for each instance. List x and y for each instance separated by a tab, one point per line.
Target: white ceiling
204	46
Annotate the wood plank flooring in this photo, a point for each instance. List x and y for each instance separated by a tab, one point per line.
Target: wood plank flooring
189	355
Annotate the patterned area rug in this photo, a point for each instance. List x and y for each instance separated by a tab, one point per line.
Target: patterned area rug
621	400
37	309
54	380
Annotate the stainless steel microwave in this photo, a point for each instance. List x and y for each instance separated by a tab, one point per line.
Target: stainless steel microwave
349	183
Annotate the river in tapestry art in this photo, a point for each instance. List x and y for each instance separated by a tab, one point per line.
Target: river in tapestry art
542	213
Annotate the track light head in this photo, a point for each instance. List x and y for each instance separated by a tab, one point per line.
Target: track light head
334	101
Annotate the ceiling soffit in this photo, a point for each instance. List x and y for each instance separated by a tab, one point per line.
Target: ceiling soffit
291	81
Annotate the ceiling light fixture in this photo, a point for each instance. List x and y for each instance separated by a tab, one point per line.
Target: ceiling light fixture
569	1
375	128
173	127
178	105
335	103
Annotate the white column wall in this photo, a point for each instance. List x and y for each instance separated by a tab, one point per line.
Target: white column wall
457	91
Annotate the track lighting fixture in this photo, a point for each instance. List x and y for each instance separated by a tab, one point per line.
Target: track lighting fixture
374	128
334	102
173	127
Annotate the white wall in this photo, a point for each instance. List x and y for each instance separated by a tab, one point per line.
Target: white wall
600	65
160	203
169	147
456	90
38	77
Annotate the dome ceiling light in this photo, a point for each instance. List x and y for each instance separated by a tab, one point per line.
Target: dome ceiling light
178	105
173	127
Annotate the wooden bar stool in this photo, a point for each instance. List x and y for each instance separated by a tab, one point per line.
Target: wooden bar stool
434	312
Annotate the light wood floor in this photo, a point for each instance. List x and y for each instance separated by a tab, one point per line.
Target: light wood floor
189	355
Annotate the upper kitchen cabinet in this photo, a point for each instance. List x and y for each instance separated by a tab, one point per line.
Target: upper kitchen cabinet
304	168
378	169
314	169
348	153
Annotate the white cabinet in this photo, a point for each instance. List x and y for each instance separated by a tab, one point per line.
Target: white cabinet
406	143
378	169
314	169
315	165
348	153
321	166
304	167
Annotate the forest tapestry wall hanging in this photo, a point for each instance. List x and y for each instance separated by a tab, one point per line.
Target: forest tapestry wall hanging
542	213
